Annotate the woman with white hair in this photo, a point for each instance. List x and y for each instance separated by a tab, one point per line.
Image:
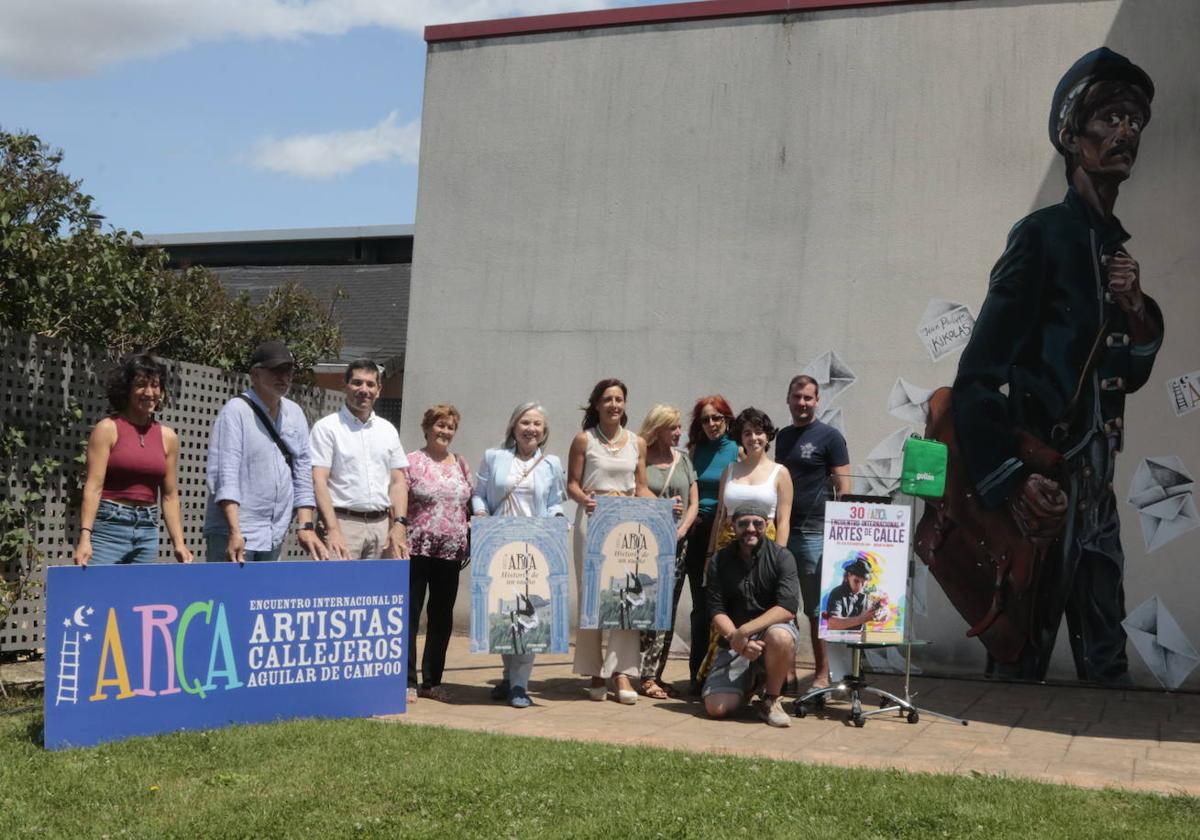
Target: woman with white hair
519	479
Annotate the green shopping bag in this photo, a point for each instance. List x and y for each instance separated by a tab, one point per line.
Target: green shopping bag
924	470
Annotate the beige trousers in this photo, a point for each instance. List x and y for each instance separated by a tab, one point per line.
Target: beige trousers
624	654
364	540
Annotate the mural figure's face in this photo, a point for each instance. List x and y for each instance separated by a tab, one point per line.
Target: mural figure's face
855	583
1107	147
802	403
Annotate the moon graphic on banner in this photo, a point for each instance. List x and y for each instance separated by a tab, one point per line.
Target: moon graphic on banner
79	622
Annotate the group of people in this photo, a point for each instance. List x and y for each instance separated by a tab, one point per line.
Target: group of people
748	528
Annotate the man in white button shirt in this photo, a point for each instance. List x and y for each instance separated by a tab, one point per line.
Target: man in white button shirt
358	474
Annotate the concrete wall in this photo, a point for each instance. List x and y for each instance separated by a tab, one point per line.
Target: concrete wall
708	206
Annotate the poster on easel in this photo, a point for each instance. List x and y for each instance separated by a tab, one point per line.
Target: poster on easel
864	572
519	585
629	565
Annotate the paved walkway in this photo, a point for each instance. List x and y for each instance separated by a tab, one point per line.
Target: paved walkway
1089	737
1138	740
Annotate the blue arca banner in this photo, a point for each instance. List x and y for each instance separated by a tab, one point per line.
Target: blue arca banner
136	650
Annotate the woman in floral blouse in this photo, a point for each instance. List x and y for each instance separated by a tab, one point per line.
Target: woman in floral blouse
439	494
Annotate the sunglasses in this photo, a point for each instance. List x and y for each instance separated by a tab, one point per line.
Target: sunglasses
712	418
751	522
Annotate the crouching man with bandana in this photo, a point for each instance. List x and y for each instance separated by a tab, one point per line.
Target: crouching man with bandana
753	593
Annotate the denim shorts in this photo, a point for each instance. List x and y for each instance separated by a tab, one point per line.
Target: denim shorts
124	534
806	547
731	674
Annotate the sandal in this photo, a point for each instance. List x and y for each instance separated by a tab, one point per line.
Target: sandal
653	690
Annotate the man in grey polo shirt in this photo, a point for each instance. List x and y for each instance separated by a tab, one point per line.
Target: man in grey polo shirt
358	474
753	593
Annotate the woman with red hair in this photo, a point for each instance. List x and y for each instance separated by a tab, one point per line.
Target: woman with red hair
711	450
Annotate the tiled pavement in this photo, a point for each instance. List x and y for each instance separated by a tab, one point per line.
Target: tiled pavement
1090	737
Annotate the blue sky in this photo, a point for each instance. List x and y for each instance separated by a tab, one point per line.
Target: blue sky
203	115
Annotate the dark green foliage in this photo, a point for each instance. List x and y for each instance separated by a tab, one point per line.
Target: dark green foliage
62	276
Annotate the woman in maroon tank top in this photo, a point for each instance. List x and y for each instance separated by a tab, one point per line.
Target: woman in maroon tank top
131	460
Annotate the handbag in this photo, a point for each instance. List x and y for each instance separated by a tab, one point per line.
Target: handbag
986	566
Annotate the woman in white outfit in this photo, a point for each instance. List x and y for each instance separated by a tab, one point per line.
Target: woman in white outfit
755	478
606	459
519	479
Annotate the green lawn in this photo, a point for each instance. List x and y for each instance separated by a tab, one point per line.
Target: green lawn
363	778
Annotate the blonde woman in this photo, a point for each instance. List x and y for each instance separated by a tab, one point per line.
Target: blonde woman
669	475
520	479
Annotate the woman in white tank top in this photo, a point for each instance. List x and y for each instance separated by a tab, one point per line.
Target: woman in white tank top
606	459
755	478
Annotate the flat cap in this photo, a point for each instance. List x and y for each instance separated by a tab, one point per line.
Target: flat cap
1100	65
752	508
272	354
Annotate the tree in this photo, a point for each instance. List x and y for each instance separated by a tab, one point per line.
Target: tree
63	276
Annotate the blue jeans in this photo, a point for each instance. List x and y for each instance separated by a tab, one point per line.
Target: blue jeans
806	547
215	545
124	534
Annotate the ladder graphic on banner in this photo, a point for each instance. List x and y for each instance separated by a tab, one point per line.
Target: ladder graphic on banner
68	669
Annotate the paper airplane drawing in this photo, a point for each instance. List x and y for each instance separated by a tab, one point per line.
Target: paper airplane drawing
1163	646
832	373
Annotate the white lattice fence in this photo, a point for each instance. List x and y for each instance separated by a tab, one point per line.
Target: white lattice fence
39	378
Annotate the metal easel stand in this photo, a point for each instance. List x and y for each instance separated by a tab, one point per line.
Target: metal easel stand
856	684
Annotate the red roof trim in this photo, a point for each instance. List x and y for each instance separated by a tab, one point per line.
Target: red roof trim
632	16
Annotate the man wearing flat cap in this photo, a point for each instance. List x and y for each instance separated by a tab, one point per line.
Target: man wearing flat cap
259	468
753	594
1064	333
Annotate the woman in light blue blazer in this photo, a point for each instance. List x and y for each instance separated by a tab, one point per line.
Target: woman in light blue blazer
519	479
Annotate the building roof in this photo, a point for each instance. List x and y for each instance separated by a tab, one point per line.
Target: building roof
640	15
221	237
372	308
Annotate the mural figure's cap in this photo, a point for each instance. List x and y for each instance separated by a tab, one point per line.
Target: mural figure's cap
752	508
1100	65
858	567
271	354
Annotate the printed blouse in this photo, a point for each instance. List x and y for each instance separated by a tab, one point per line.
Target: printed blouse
438	494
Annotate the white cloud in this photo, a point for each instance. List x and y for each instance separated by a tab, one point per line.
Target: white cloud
66	38
321	156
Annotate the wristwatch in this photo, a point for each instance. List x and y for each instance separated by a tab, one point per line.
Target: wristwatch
401	520
308	526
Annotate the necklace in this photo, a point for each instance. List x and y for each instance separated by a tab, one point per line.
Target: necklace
526	470
610	445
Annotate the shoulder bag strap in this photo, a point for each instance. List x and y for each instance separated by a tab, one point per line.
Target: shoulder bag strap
271	430
670	472
516	484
